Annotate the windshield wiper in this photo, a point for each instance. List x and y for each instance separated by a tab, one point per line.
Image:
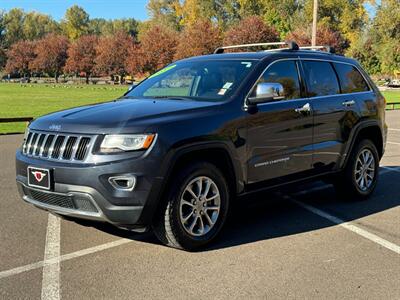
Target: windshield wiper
170	97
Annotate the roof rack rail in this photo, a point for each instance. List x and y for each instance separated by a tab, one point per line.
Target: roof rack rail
328	49
291	46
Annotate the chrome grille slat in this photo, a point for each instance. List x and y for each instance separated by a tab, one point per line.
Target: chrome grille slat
32	143
43	145
57	146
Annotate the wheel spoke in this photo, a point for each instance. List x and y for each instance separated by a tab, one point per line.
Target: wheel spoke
208	185
194	222
190	191
212	208
187	203
201	225
212	197
210	222
199	184
185	219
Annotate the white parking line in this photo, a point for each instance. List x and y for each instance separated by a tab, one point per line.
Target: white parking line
370	236
51	272
57	260
393	143
326	185
393	129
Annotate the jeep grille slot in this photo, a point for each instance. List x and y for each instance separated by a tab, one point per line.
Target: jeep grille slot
69	146
57	146
53	146
82	148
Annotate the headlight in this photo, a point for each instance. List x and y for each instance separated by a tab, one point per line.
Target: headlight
126	142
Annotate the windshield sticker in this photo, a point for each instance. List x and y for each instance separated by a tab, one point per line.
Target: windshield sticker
227	85
222	92
162	71
247	63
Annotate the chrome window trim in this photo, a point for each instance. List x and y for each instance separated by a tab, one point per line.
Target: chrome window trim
371	90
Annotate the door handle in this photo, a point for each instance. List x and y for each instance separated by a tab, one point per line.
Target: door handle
348	103
306	108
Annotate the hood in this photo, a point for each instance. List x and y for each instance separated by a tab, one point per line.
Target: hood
126	115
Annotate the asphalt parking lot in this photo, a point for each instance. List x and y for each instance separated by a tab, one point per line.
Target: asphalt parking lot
301	243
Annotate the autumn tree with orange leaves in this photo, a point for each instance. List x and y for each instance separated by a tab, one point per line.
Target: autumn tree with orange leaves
19	57
250	30
51	54
325	36
82	56
157	49
111	53
199	38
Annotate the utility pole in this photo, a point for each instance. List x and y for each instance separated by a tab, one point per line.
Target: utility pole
314	24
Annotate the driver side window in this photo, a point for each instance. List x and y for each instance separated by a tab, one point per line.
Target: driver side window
285	73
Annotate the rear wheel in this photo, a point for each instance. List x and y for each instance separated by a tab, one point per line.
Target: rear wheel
360	175
196	208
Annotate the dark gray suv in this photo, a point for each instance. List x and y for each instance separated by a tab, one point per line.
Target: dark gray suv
178	148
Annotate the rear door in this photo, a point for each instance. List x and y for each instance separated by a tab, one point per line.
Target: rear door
335	113
279	136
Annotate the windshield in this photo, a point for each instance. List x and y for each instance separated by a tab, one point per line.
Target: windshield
207	80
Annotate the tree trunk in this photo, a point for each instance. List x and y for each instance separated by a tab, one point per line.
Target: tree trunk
87	78
56	77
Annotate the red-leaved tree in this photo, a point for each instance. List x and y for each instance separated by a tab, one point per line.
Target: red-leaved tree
250	30
51	54
325	36
200	38
19	57
82	55
157	49
111	53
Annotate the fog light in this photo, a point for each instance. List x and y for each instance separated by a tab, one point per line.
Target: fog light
123	182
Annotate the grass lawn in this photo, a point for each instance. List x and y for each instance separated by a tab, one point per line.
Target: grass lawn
33	100
392	96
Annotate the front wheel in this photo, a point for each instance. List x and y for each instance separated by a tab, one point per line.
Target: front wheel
360	175
196	208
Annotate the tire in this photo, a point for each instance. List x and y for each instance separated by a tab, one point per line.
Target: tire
348	184
170	226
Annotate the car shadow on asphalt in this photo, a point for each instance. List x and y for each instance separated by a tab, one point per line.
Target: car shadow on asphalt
271	215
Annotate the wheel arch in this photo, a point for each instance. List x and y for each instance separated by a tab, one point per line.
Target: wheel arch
366	130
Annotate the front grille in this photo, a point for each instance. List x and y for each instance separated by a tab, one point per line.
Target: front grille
78	202
57	146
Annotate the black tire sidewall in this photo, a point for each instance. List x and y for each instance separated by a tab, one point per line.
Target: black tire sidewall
188	174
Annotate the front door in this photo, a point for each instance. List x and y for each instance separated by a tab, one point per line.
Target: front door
279	134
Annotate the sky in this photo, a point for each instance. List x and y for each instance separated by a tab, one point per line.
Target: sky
108	9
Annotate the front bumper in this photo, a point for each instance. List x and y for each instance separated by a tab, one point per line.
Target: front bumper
83	191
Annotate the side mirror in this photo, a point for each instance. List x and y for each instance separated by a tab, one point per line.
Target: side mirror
267	91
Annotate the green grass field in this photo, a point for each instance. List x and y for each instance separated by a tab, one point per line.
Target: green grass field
392	96
33	100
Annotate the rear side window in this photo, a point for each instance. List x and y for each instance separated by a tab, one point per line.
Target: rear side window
285	73
321	78
351	81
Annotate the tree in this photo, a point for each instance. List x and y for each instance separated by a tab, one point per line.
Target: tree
250	30
36	25
325	36
200	38
386	35
13	23
163	12
158	47
82	55
111	53
51	54
75	22
20	56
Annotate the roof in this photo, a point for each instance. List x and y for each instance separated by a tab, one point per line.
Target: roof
281	53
